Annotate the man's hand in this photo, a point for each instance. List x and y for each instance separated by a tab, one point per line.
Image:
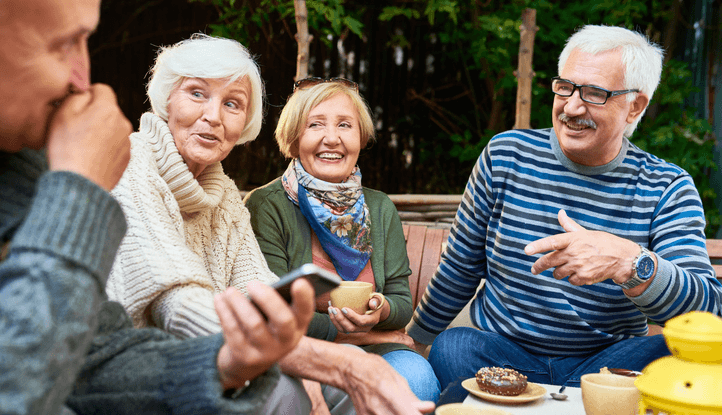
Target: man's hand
255	338
88	135
586	257
314	392
371	383
376	388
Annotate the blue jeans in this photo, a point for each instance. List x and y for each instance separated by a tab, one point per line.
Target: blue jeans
458	353
418	373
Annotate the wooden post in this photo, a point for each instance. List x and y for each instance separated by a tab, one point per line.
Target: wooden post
302	38
524	74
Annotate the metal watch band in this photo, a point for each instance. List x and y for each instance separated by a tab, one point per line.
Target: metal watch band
631	283
635	280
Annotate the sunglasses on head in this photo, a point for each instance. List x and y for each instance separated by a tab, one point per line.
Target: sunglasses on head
315	80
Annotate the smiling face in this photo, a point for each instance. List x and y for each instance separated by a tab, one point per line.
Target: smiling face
43	54
597	142
330	143
206	118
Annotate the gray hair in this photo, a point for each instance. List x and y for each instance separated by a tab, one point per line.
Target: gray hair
642	59
206	57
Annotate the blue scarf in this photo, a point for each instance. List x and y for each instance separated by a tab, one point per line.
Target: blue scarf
338	215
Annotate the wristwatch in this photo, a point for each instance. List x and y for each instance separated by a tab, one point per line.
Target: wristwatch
642	269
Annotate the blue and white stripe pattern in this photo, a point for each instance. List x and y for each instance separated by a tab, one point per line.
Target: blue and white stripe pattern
519	184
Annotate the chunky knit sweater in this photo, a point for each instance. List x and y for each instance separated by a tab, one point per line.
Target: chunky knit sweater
520	182
187	239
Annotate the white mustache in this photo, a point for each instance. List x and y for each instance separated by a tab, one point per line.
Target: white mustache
586	122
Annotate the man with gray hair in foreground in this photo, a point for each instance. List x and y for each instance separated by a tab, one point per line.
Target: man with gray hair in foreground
63	145
580	236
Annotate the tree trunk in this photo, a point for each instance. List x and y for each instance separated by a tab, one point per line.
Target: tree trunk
525	73
302	38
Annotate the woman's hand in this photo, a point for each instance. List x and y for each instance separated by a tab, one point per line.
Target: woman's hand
348	321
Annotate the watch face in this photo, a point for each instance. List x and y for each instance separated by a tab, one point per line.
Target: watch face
645	267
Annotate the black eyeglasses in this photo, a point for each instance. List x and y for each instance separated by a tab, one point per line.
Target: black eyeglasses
315	80
588	93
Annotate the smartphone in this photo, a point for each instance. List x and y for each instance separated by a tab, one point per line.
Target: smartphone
322	280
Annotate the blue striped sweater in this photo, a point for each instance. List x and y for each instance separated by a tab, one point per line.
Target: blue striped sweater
520	182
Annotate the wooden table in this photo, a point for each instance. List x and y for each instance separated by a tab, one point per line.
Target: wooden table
542	406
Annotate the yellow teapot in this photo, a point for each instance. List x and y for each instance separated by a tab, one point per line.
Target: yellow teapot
690	381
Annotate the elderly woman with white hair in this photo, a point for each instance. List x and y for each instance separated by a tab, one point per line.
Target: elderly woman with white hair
189	234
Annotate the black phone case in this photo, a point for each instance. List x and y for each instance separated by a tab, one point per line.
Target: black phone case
322	280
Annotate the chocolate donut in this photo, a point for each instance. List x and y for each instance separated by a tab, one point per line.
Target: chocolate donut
501	381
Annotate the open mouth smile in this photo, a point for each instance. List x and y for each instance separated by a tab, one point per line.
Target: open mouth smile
330	156
576	123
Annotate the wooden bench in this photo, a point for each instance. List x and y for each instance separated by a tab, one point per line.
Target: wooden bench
423	246
425	243
714	249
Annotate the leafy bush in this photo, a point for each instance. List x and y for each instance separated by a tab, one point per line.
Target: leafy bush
675	134
475	48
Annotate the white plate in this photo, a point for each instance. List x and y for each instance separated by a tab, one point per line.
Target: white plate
462	409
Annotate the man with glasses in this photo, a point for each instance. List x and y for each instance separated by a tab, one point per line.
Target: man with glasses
588	93
579	235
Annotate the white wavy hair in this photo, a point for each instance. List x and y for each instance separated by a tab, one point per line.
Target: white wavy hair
206	57
642	59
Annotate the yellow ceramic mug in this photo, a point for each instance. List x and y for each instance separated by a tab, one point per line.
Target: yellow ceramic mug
604	394
356	295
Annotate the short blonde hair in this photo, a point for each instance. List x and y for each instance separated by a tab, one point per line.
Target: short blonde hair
207	57
295	114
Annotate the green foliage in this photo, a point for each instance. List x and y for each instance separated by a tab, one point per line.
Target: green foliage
450	8
675	134
244	21
333	12
483	48
465	147
477	51
389	13
247	20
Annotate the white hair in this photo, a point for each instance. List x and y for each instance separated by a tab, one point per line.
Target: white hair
642	59
206	57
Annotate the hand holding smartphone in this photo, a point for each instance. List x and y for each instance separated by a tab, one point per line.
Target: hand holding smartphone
322	280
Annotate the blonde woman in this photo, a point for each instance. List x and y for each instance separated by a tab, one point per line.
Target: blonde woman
318	212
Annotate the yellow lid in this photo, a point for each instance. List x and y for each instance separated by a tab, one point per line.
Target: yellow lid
695	336
674	383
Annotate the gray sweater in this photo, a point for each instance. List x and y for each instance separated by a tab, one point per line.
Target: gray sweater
60	341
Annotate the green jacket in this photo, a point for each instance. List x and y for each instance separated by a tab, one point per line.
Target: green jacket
285	239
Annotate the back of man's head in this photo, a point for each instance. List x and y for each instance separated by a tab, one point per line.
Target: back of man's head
641	58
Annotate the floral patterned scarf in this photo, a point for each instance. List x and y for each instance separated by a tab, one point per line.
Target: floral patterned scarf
337	213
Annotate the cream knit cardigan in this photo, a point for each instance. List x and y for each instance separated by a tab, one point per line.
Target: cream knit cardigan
187	239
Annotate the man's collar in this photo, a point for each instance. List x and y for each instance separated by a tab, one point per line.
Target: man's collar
587	170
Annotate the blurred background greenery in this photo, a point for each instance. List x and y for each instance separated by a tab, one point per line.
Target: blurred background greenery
438	75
